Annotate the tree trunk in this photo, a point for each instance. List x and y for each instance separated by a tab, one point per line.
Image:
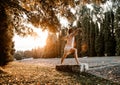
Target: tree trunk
6	34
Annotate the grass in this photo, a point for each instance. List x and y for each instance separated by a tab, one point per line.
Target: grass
16	73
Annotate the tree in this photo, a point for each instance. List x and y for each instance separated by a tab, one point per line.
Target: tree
92	39
6	31
109	38
117	26
6	34
99	45
51	49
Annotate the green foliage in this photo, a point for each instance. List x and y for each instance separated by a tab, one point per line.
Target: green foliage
110	44
51	49
18	56
117	26
118	47
118	41
92	39
37	53
99	45
109	38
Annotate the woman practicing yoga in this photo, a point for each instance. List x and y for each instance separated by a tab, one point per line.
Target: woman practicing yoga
69	47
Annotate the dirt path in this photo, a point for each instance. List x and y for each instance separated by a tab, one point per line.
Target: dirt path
92	61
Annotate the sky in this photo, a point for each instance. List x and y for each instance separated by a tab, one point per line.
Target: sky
28	43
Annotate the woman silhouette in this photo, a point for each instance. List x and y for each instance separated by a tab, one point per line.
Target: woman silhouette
69	47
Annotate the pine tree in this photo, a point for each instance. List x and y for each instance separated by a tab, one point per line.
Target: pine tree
92	39
117	26
109	38
99	45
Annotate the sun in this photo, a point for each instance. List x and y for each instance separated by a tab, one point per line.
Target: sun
41	38
31	42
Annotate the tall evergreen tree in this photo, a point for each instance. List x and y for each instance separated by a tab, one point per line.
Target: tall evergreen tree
99	41
109	38
51	49
86	37
92	39
99	45
117	26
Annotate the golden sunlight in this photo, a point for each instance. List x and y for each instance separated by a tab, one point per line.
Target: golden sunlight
30	42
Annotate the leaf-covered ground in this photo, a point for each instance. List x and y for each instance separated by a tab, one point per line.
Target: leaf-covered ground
109	72
19	73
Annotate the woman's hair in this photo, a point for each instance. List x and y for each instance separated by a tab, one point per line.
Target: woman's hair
70	31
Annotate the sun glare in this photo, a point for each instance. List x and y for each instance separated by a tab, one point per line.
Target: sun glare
30	42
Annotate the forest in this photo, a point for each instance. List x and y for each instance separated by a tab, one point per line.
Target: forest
99	21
